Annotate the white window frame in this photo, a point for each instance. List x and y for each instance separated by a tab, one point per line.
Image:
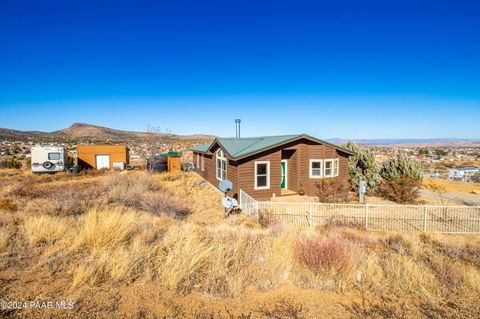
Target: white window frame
255	175
220	156
203	162
321	168
336	167
332	168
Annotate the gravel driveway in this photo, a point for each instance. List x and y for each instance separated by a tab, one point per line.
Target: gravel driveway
454	197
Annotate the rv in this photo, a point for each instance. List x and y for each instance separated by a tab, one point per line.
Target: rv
48	159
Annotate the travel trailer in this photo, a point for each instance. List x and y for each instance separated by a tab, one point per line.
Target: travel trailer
48	159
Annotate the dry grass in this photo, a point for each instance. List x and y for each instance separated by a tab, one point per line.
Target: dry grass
453	186
123	249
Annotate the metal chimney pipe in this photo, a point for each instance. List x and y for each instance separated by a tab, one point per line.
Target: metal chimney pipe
237	128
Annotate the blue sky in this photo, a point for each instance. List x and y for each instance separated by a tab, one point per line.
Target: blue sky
348	69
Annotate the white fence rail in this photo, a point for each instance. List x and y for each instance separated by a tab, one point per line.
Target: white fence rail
445	219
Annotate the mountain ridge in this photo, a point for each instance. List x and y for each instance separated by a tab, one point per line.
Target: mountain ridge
91	132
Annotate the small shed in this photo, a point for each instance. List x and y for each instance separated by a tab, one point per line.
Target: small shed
174	161
102	156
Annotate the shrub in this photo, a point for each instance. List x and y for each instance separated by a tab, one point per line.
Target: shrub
332	190
283	309
321	254
402	178
142	191
163	203
128	188
11	163
362	166
401	166
401	190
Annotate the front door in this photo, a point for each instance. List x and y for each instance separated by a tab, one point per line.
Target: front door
284	174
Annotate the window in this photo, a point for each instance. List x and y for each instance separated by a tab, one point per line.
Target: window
203	163
198	160
328	170
262	175
316	168
53	156
336	167
221	165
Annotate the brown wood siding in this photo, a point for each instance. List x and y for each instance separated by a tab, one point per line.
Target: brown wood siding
298	154
246	169
87	154
210	172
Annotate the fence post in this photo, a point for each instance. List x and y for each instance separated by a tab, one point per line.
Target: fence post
310	218
257	217
366	216
240	203
425	218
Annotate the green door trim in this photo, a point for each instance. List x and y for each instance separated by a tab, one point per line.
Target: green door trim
284	167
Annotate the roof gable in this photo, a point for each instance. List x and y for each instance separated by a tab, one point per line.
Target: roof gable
241	147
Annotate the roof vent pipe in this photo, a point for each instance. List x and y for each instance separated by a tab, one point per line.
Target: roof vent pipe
237	128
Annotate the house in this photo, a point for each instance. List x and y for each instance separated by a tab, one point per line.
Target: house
462	173
102	156
269	166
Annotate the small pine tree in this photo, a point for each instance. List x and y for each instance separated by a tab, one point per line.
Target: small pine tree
401	166
362	166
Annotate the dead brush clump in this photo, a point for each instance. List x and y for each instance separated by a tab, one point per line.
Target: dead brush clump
73	199
469	252
456	304
379	305
284	308
7	205
142	191
170	177
398	244
57	199
127	188
324	253
26	188
163	203
332	190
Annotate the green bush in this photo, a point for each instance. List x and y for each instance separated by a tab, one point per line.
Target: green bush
401	166
401	179
362	166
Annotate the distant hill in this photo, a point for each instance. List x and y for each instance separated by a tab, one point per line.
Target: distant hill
83	132
411	142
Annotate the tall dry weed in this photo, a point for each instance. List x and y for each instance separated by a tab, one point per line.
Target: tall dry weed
109	229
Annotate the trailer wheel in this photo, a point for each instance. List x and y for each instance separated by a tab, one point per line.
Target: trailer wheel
48	165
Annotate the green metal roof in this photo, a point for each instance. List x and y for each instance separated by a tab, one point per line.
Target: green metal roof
202	148
241	147
172	154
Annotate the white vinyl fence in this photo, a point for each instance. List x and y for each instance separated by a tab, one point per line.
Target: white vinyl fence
445	219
